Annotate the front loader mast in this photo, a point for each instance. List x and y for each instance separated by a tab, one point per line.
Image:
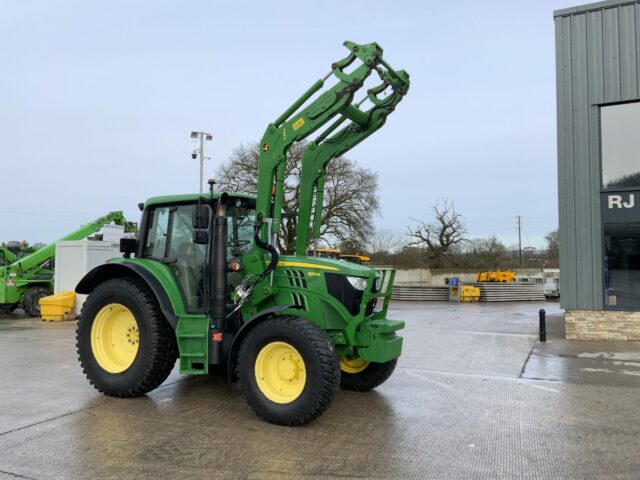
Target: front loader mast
294	125
324	149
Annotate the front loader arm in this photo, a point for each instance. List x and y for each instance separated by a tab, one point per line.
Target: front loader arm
325	148
295	124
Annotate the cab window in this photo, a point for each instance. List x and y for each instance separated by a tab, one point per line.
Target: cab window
170	240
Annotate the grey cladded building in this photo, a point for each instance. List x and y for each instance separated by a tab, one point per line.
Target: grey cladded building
598	95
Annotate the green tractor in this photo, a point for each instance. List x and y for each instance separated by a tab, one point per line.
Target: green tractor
206	285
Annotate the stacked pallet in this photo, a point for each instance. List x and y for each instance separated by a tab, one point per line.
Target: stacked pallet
489	292
511	292
421	294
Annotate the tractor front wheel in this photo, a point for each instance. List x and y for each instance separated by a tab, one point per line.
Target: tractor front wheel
361	376
125	345
31	300
288	370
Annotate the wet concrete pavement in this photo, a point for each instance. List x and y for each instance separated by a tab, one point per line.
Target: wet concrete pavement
475	395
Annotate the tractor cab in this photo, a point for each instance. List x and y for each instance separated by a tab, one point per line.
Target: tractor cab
176	231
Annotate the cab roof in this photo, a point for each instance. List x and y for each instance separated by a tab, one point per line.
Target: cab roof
191	197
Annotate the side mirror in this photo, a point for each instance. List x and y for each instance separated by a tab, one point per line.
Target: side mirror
201	217
128	246
200	237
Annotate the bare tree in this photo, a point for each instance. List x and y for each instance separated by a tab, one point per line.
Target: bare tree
553	245
439	236
350	199
382	243
484	253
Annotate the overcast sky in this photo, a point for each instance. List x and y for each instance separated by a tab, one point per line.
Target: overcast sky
98	100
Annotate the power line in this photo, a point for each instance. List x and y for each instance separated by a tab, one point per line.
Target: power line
519	218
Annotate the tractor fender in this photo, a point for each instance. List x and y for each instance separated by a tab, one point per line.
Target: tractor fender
245	329
113	270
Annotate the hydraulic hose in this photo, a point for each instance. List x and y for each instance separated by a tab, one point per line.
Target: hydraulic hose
275	256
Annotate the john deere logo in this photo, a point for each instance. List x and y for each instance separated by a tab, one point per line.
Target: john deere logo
618	201
265	147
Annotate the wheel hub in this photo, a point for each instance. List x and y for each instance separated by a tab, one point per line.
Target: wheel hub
280	372
115	338
354	365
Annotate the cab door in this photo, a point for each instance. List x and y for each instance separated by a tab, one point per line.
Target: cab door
170	240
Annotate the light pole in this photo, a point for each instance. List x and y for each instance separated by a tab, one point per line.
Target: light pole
202	136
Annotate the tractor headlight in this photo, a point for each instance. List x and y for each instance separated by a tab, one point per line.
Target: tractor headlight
377	283
359	283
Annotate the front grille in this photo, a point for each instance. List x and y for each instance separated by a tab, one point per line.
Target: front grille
296	278
299	300
339	287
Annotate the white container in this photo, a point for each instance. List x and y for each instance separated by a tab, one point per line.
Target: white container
74	258
112	233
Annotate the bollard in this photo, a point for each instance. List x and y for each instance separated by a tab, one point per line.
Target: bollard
543	325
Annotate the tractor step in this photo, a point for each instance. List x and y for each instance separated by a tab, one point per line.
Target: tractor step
192	338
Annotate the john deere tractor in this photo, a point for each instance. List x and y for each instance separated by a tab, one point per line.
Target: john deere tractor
205	284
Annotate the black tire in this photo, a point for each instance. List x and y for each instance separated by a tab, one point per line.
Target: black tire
7	308
375	374
157	350
321	367
31	300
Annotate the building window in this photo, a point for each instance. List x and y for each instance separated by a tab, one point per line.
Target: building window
622	266
620	125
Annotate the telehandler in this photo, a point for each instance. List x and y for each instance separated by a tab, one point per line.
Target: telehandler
25	280
206	284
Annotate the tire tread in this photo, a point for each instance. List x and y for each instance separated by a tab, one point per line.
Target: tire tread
330	368
164	350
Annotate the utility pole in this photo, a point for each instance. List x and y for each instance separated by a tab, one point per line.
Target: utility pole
520	239
202	136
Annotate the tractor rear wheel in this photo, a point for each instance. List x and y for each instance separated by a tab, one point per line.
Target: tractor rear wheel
31	300
125	345
361	376
8	307
288	370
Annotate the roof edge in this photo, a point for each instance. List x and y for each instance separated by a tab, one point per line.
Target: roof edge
591	6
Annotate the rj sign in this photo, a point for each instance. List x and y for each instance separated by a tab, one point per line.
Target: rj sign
620	207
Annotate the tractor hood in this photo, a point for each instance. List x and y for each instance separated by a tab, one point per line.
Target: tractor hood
324	264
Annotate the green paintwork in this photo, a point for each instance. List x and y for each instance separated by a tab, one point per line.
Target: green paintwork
188	198
28	271
192	329
163	274
7	257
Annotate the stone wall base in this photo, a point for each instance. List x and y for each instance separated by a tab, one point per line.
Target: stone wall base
602	325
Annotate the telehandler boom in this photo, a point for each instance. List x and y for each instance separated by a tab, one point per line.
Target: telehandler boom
28	279
206	284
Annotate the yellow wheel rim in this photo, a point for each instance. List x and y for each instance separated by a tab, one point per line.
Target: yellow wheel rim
355	365
115	338
280	372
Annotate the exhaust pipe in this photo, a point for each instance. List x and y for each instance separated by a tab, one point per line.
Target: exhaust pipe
219	260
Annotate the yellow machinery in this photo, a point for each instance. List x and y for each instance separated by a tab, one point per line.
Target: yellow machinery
327	253
469	293
359	259
497	276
